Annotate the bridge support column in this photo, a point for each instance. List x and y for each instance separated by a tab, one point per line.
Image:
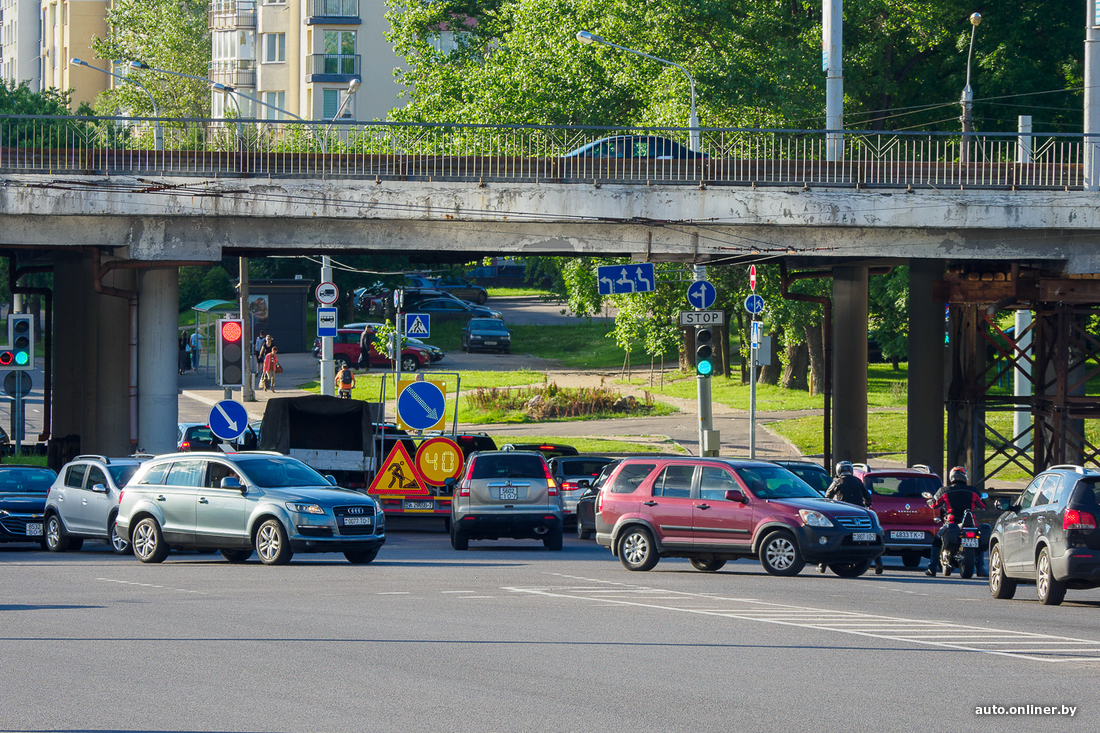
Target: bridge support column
91	356
158	358
925	401
850	363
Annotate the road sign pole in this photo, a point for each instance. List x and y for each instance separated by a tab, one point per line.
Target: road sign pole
17	427
752	399
328	370
703	398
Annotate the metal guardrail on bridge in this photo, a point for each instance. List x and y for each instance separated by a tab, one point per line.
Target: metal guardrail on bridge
485	153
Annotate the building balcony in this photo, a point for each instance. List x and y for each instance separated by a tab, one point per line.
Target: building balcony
237	73
338	67
333	12
232	14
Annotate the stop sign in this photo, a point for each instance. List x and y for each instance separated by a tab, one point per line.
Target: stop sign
752	278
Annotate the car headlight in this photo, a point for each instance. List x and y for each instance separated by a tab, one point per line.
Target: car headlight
3	513
304	508
814	519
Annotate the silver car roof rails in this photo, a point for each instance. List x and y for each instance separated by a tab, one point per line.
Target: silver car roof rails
923	467
1069	467
861	466
93	457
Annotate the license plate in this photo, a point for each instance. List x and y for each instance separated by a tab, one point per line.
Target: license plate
419	505
509	492
353	521
907	535
34	529
969	541
490	343
863	537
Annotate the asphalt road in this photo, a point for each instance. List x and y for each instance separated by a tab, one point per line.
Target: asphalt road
511	637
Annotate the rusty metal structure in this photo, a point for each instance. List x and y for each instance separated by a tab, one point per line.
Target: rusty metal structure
983	358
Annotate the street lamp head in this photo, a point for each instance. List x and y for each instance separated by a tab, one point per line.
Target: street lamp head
587	37
138	65
78	62
354	85
975	18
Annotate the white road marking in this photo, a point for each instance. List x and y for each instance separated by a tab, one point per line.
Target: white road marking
393	593
929	632
150	585
458	591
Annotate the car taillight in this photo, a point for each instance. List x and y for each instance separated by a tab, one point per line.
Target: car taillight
464	487
599	501
551	484
971	534
185	445
569	486
120	493
1077	519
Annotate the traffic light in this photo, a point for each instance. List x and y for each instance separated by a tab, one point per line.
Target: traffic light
230	352
704	351
19	355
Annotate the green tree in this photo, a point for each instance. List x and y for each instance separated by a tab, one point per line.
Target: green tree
888	306
165	34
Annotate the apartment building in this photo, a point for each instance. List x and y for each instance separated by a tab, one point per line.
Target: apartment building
300	56
19	42
67	28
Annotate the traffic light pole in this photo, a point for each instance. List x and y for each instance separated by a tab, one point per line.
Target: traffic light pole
707	436
752	400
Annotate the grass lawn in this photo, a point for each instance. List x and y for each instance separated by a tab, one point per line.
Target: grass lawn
515	292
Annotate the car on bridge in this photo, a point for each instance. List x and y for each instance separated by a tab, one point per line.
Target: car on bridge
23	492
636	147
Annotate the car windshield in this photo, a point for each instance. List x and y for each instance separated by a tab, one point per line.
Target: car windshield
774	482
819	480
487	324
509	466
583	466
122	474
277	473
18	480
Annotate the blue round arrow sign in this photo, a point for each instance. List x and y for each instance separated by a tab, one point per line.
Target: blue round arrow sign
421	405
228	419
701	294
754	304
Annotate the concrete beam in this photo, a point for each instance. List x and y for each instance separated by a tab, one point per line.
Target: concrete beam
158	401
850	290
925	399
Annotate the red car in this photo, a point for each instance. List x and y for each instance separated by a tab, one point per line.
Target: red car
897	497
345	348
712	510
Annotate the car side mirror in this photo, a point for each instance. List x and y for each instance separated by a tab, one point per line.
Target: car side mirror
449	485
330	478
232	482
99	489
735	495
985	495
1003	504
583	483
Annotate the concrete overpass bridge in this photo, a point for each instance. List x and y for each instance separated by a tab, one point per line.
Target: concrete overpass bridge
113	216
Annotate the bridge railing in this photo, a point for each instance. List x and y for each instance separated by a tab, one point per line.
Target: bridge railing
735	156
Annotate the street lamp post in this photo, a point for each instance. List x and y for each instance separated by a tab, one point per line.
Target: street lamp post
587	37
158	134
967	100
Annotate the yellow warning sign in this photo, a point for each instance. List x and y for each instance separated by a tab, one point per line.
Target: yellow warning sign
398	475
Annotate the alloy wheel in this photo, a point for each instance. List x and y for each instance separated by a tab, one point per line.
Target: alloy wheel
145	540
636	548
781	553
268	542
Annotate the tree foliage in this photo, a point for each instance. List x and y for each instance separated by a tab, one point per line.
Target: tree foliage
165	34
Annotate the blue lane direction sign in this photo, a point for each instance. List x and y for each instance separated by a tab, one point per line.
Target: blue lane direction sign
619	279
754	304
228	419
701	294
420	405
326	322
418	325
757	328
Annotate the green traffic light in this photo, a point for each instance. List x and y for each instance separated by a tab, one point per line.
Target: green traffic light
704	368
21	358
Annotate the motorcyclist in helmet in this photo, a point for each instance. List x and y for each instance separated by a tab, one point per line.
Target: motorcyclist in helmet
850	490
957	497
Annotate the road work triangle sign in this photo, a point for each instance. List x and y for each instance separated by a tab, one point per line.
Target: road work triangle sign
398	475
417	327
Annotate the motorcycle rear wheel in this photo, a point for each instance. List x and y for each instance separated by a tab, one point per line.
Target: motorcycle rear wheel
966	568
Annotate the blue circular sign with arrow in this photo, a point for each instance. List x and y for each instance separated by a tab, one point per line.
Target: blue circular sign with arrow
421	405
701	294
754	304
228	419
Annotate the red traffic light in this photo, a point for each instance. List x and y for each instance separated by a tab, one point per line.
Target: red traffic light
231	331
6	358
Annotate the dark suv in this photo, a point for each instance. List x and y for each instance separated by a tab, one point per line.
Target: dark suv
711	510
1048	536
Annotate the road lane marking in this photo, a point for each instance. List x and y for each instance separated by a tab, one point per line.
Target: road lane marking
150	585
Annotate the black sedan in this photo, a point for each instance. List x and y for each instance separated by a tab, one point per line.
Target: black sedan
446	309
23	502
486	334
586	505
464	289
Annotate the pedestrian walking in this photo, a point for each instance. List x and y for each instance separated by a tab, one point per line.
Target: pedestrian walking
265	349
183	360
196	348
365	340
259	344
271	368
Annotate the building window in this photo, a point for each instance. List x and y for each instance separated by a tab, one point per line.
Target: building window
275	99
332	103
340	42
274	2
274	47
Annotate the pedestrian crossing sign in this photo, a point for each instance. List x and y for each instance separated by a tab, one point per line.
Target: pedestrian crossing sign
398	475
418	325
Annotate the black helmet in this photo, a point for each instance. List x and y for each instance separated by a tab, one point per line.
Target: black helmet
958	475
844	468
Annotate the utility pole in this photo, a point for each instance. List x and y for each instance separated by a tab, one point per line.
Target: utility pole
832	52
967	100
1092	98
328	371
247	392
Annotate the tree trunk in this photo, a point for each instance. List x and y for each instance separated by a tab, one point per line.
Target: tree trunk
742	361
797	367
771	373
687	353
815	348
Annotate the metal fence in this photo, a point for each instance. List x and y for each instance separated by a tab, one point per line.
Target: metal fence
739	157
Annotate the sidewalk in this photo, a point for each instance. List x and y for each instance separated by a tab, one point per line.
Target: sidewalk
199	392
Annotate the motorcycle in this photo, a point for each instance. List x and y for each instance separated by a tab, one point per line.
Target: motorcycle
961	543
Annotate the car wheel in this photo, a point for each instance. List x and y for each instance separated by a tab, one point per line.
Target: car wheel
583	533
466	348
636	549
850	569
56	539
508	351
1051	591
361	557
148	542
911	559
272	545
707	565
459	540
481	298
409	364
236	556
1000	585
779	554
552	541
966	569
119	545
